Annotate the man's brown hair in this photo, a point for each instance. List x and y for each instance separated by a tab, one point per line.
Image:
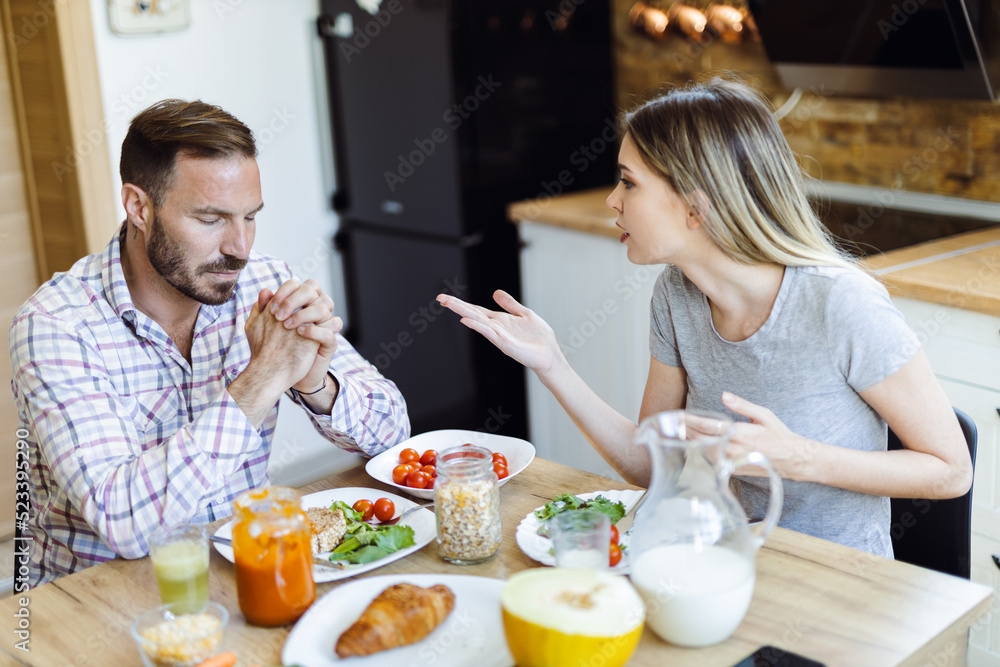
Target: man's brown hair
157	134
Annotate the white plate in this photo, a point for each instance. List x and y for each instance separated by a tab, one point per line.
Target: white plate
422	521
539	548
471	635
518	453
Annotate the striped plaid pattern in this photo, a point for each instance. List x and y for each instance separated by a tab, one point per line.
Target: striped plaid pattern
126	435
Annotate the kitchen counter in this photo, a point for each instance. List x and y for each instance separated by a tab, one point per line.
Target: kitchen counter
962	271
581	211
959	271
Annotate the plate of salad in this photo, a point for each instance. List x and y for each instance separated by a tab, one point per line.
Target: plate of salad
367	544
532	533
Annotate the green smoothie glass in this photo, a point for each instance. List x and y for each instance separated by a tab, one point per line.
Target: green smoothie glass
180	559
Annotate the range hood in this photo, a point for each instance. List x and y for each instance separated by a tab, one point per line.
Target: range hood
879	48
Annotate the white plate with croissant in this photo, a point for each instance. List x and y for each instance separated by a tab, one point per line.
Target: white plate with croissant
422	521
471	632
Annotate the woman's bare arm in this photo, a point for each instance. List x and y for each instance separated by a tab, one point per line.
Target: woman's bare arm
525	337
934	464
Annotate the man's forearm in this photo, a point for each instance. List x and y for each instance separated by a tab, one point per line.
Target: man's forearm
255	393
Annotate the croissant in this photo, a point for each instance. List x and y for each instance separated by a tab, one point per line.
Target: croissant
402	614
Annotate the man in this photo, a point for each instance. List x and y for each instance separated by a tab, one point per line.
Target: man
149	374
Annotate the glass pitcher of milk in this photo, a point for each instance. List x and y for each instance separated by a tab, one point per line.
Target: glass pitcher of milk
692	549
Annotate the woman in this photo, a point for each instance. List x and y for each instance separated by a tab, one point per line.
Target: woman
757	314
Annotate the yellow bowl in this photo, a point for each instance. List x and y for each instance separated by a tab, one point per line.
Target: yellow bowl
555	617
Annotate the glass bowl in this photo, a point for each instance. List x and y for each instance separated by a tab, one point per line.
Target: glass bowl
168	639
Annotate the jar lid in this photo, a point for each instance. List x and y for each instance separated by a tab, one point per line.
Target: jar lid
464	460
268	499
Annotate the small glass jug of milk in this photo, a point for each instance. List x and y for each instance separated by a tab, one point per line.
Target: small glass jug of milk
693	551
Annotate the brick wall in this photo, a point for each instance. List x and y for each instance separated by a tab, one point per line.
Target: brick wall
922	144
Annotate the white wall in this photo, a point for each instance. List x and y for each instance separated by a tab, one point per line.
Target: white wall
261	60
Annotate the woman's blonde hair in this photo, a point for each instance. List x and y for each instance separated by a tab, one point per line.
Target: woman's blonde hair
720	138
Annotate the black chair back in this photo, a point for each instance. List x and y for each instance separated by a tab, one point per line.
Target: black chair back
936	534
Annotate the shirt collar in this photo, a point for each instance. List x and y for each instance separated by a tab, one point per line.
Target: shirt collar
116	289
113	278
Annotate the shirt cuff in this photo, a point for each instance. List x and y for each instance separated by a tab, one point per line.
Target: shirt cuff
345	409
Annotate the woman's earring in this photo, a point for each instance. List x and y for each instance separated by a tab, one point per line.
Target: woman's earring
135	231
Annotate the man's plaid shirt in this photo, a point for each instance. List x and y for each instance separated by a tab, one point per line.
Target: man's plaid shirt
126	435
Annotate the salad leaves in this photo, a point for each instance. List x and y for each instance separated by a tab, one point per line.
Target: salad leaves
364	542
567	501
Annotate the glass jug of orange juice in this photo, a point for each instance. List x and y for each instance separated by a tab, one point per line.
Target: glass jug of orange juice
274	574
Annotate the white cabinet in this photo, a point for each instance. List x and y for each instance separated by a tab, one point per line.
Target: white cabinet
964	350
597	303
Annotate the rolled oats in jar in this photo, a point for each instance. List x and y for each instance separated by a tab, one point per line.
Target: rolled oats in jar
467	505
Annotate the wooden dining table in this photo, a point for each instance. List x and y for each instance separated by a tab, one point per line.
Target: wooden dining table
822	600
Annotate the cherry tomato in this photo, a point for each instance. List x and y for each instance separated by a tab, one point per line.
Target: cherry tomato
614	554
400	472
501	470
468	444
418	479
428	458
409	455
365	507
614	534
430	470
384	509
499	458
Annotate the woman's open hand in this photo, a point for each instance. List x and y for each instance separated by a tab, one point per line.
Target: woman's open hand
518	332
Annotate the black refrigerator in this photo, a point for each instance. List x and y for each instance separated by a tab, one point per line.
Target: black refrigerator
442	114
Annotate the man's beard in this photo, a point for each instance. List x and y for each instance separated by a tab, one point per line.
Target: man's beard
170	261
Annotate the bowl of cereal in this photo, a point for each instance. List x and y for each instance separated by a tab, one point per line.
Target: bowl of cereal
169	639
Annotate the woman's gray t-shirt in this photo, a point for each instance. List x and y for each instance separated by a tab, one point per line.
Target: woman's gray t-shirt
832	333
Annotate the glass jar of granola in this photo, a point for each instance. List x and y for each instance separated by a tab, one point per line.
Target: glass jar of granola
467	505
